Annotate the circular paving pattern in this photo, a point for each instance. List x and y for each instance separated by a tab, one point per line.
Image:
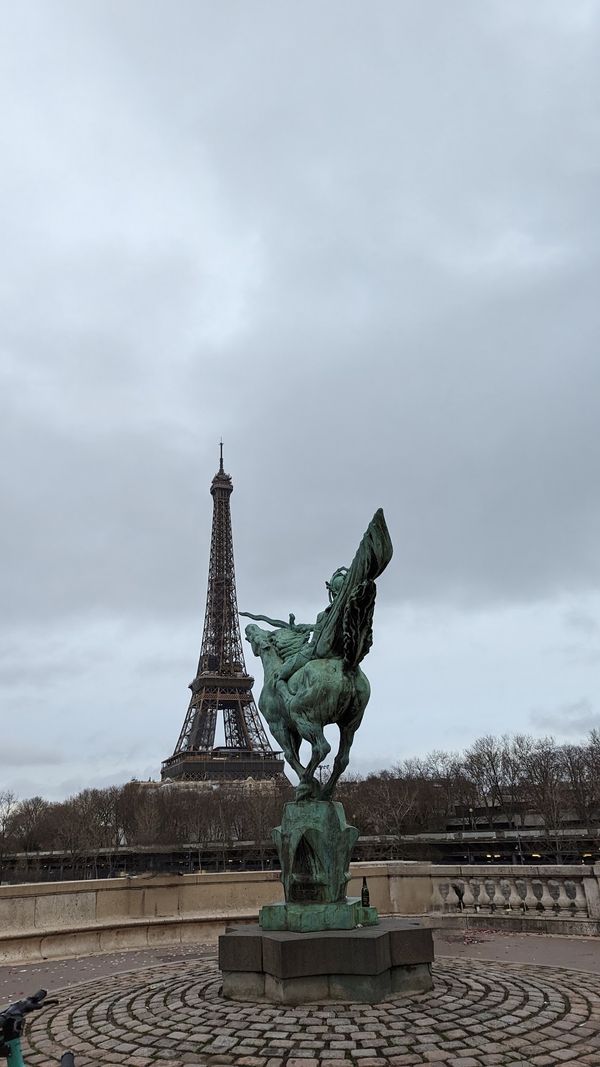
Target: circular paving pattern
477	1014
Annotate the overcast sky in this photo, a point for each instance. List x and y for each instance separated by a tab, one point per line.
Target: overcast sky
361	242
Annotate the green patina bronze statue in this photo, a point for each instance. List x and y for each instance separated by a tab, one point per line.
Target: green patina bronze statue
312	947
312	681
312	677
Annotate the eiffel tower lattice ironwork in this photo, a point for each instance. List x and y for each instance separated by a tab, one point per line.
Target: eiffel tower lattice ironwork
222	683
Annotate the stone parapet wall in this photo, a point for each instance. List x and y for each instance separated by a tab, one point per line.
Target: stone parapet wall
37	905
75	918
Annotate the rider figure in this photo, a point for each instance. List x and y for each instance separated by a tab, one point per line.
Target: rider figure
306	653
294	663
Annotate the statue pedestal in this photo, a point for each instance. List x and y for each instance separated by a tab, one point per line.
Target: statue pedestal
321	945
369	964
315	843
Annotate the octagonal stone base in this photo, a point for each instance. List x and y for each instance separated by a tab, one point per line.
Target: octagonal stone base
368	964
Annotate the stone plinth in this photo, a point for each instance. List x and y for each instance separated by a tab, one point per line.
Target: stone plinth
306	918
364	964
314	843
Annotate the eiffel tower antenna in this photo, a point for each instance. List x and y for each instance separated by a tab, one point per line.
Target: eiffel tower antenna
222	684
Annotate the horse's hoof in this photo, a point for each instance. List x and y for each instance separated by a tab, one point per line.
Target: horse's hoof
305	791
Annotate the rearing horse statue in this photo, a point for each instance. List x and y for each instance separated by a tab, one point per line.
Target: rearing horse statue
311	681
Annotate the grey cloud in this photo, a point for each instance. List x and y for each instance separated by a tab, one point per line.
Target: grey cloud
577	618
20	670
396	303
27	786
583	646
40	664
151	665
576	718
582	653
30	754
360	242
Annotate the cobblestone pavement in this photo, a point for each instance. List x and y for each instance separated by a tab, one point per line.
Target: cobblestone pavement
479	1013
18	980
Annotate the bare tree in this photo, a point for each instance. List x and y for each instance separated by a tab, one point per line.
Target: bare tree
495	767
8	803
446	770
545	784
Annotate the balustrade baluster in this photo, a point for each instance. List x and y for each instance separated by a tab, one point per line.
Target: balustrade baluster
458	888
468	896
581	904
492	901
516	903
506	889
531	901
477	895
577	902
553	890
538	892
522	888
499	898
548	900
564	901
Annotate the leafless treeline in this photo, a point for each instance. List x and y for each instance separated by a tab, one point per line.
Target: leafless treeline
138	814
509	781
496	780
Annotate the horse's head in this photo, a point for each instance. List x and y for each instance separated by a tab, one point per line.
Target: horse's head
258	639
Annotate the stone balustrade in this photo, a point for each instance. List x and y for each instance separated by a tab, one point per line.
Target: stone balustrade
73	918
569	894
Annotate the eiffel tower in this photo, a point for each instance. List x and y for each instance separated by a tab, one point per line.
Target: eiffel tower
222	683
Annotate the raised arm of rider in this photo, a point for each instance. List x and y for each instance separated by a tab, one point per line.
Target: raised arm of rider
278	623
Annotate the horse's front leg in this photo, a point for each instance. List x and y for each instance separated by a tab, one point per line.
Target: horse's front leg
280	725
289	740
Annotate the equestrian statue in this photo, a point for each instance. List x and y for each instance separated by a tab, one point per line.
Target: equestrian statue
312	673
